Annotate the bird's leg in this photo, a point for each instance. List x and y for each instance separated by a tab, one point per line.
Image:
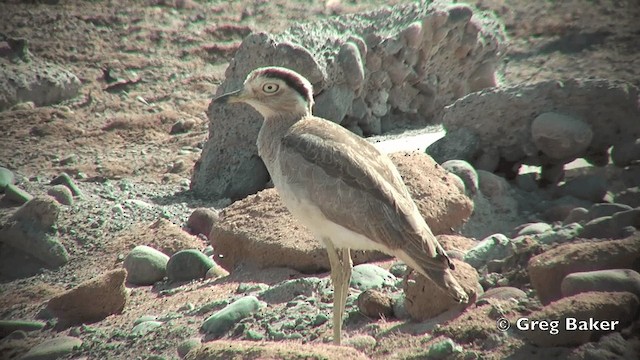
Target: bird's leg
340	261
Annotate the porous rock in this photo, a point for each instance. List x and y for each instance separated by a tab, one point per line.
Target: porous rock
91	301
547	270
418	59
425	300
621	307
608	108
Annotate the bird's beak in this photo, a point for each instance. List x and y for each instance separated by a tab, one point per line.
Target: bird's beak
230	97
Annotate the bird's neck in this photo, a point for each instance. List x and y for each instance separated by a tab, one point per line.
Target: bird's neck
273	129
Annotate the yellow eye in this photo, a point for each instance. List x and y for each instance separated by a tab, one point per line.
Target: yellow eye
270	88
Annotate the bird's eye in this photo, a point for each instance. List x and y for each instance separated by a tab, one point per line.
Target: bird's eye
270	88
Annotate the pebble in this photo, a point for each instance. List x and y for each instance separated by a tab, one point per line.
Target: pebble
289	289
6	177
201	221
190	264
16	194
145	327
369	276
493	247
601	280
464	171
590	187
222	321
188	345
443	349
503	293
53	348
145	265
66	180
560	136
375	304
61	193
216	272
182	126
9	326
534	228
564	234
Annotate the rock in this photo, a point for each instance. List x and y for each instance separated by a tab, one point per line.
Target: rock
612	227
461	144
466	172
503	293
145	265
222	321
41	82
201	221
494	247
439	200
587	187
187	265
66	180
489	112
626	153
560	136
375	304
559	209
145	327
52	349
369	276
9	326
612	310
61	193
361	342
163	235
562	235
286	350
398	79
630	197
91	301
609	347
16	194
182	126
527	182
606	209
425	300
622	280
216	272
188	345
31	230
577	215
443	349
398	269
547	270
289	289
492	185
534	228
6	177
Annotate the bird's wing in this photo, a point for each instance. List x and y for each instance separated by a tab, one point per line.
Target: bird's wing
355	186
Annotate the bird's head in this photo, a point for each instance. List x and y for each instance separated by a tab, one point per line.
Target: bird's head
274	91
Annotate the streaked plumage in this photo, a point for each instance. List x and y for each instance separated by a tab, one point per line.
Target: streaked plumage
347	193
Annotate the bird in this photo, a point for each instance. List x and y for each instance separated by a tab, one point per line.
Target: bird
337	184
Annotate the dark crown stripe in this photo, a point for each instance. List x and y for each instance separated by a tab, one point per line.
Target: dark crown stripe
292	80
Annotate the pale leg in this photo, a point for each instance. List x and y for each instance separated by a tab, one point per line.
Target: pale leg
340	261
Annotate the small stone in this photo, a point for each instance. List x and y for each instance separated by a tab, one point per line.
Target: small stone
443	349
42	212
492	185
601	280
503	293
368	276
61	193
375	304
587	187
190	264
9	326
145	265
222	321
51	349
68	160
66	180
6	177
577	215
201	221
565	234
188	345
145	327
493	247
216	272
90	301
534	228
626	153
466	172
182	126
630	196
289	289
16	194
606	209
560	136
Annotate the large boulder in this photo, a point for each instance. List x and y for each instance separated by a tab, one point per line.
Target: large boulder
369	71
